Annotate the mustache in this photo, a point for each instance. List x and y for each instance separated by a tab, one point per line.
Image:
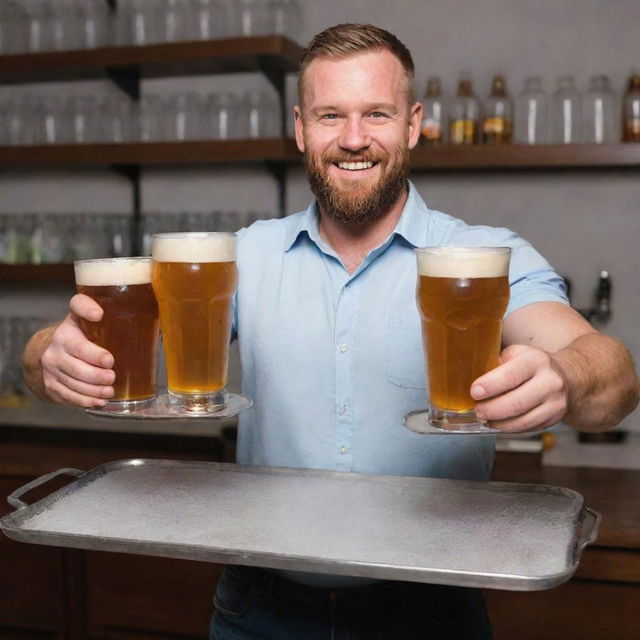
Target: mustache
353	157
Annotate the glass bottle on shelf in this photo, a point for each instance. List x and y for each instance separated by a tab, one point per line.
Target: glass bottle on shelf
600	111
432	126
631	110
497	125
567	112
464	114
531	117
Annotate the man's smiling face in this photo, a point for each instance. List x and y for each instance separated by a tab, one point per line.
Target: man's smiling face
356	128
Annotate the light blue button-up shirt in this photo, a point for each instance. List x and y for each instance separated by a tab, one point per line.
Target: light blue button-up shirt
334	361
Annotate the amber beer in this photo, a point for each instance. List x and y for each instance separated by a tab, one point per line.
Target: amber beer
129	327
194	277
462	296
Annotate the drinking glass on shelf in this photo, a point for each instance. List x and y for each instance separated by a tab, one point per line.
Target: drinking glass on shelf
116	119
250	17
17	122
38	26
209	20
66	24
176	20
152	113
259	115
47	116
144	22
48	239
221	116
95	23
120	232
184	116
81	119
567	112
284	17
16	26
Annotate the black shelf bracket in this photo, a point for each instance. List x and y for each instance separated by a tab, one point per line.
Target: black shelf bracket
279	171
277	78
132	172
127	79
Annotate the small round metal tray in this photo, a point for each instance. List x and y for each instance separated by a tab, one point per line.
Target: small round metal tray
160	409
418	421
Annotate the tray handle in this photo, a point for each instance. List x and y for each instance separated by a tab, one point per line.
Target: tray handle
14	498
589	525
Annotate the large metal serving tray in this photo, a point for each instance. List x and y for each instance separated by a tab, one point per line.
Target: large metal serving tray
500	535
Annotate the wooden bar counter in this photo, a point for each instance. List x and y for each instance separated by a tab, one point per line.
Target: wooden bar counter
53	593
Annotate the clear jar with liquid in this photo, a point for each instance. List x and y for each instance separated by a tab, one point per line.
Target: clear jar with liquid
464	114
567	112
432	125
497	125
600	109
631	111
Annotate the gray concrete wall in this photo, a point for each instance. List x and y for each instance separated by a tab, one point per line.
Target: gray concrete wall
582	221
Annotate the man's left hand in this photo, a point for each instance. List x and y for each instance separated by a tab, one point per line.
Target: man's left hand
526	391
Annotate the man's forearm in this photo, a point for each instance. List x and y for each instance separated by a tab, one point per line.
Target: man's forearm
601	381
32	361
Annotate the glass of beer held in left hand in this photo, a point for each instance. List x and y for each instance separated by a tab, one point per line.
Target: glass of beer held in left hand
195	277
129	325
462	295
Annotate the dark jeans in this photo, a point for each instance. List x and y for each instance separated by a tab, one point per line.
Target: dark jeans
253	603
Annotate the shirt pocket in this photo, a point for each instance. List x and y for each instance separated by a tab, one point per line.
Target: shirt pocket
406	356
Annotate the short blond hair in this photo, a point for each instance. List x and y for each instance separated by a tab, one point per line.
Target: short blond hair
344	40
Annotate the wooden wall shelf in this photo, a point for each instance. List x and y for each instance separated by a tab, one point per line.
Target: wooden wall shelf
227	55
152	153
284	150
522	157
37	273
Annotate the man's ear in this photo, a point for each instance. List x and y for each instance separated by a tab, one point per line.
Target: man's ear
297	114
415	118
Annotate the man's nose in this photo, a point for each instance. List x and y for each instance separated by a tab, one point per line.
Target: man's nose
354	135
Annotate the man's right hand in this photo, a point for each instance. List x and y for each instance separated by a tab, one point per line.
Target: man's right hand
62	365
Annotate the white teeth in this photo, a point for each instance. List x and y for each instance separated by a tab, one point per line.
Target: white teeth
355	166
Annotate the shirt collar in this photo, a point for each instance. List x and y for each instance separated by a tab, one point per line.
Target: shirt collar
410	226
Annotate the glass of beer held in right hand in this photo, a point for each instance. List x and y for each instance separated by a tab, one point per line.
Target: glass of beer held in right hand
462	295
194	277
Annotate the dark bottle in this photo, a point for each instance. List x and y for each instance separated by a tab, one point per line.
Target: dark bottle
432	125
631	111
464	114
497	126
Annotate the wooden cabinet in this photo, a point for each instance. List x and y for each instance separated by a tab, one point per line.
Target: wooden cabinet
49	592
602	600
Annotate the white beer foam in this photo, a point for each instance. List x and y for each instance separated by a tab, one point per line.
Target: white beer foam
112	272
463	262
194	247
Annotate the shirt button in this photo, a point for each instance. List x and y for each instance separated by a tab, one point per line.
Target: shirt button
342	409
344	348
344	449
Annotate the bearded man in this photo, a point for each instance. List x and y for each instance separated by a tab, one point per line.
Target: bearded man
331	351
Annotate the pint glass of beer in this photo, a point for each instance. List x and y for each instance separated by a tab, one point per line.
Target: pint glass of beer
129	327
194	277
462	295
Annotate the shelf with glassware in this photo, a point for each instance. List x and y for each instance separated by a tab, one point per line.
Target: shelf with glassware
284	150
266	54
149	153
525	156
